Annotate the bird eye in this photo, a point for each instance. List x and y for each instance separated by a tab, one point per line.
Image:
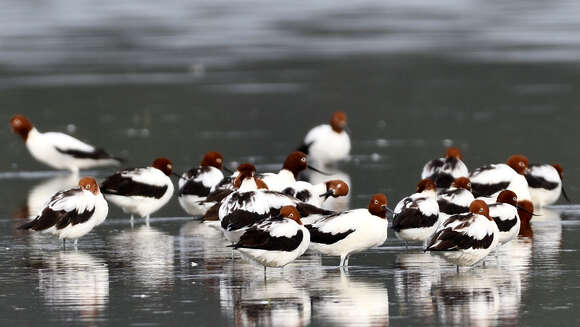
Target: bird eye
376	202
480	209
515	198
521	164
291	215
303	159
469	184
218	160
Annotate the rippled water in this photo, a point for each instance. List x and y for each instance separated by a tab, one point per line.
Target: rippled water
145	79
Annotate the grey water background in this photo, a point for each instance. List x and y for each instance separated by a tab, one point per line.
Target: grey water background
178	78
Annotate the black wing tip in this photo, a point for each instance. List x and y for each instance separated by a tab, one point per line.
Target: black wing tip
27	226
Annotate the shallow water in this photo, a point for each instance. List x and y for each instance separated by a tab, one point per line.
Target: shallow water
249	80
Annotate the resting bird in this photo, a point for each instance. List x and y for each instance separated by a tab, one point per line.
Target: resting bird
465	239
141	191
417	216
73	213
546	184
444	171
352	231
197	183
59	150
275	241
328	143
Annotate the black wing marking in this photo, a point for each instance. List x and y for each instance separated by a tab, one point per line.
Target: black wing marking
217	195
289	191
486	190
319	237
505	225
238	219
540	182
305	147
411	217
450	240
60	219
303	195
256	238
442	180
116	184
451	208
192	187
435	164
96	154
305	210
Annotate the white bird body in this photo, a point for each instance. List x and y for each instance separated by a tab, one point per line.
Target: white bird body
545	184
71	214
345	233
507	220
465	239
416	217
307	193
140	191
195	185
278	181
61	151
274	242
325	146
444	170
489	181
453	201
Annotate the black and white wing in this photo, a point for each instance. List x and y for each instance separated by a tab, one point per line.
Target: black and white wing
274	234
461	232
147	182
65	208
415	211
77	149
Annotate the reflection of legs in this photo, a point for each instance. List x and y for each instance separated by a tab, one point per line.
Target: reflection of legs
346	261
131	221
147	221
76	244
458	269
64	244
342	257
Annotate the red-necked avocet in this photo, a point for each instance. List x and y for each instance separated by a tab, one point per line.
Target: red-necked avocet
141	191
328	143
73	213
444	171
59	150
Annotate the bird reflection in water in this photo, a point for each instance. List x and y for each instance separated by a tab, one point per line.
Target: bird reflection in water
41	193
340	203
547	237
76	283
342	301
149	253
414	275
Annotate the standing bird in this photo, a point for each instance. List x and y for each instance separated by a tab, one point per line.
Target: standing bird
140	191
352	231
250	204
417	216
197	183
505	214
546	184
465	239
488	181
295	163
73	213
328	143
59	150
456	199
275	241
316	194
444	171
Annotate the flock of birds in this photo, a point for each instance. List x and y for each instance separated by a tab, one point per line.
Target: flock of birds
274	218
